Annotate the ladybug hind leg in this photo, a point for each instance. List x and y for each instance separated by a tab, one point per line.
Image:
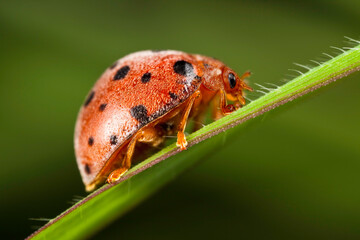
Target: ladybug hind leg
147	135
181	139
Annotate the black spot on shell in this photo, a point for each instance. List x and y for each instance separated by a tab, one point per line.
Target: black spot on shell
197	77
113	139
91	141
184	68
206	65
173	95
102	107
146	77
89	98
113	65
139	112
87	169
121	73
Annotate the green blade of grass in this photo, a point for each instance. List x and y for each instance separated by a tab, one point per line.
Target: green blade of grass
111	201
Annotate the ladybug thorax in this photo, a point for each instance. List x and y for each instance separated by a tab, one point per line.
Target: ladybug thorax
213	72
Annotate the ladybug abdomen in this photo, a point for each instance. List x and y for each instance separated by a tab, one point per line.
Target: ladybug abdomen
133	92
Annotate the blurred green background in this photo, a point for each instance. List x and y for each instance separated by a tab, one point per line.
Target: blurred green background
294	174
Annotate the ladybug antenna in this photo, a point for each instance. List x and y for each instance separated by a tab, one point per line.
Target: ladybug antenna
243	84
247	87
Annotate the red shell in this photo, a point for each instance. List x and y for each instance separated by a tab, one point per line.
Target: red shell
124	99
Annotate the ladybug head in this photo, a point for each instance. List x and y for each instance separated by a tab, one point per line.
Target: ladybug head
234	85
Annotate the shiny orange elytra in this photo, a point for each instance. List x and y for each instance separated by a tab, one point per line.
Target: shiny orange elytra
144	97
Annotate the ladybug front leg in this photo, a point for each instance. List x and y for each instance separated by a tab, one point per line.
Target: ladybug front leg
225	108
147	135
181	139
216	112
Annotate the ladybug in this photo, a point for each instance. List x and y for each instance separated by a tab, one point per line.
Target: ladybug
144	97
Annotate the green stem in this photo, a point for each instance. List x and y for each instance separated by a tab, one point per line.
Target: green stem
111	201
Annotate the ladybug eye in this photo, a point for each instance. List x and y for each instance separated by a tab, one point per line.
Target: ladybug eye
232	80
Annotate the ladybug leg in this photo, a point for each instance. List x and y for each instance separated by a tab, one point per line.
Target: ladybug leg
116	174
126	164
225	108
181	139
216	111
147	135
